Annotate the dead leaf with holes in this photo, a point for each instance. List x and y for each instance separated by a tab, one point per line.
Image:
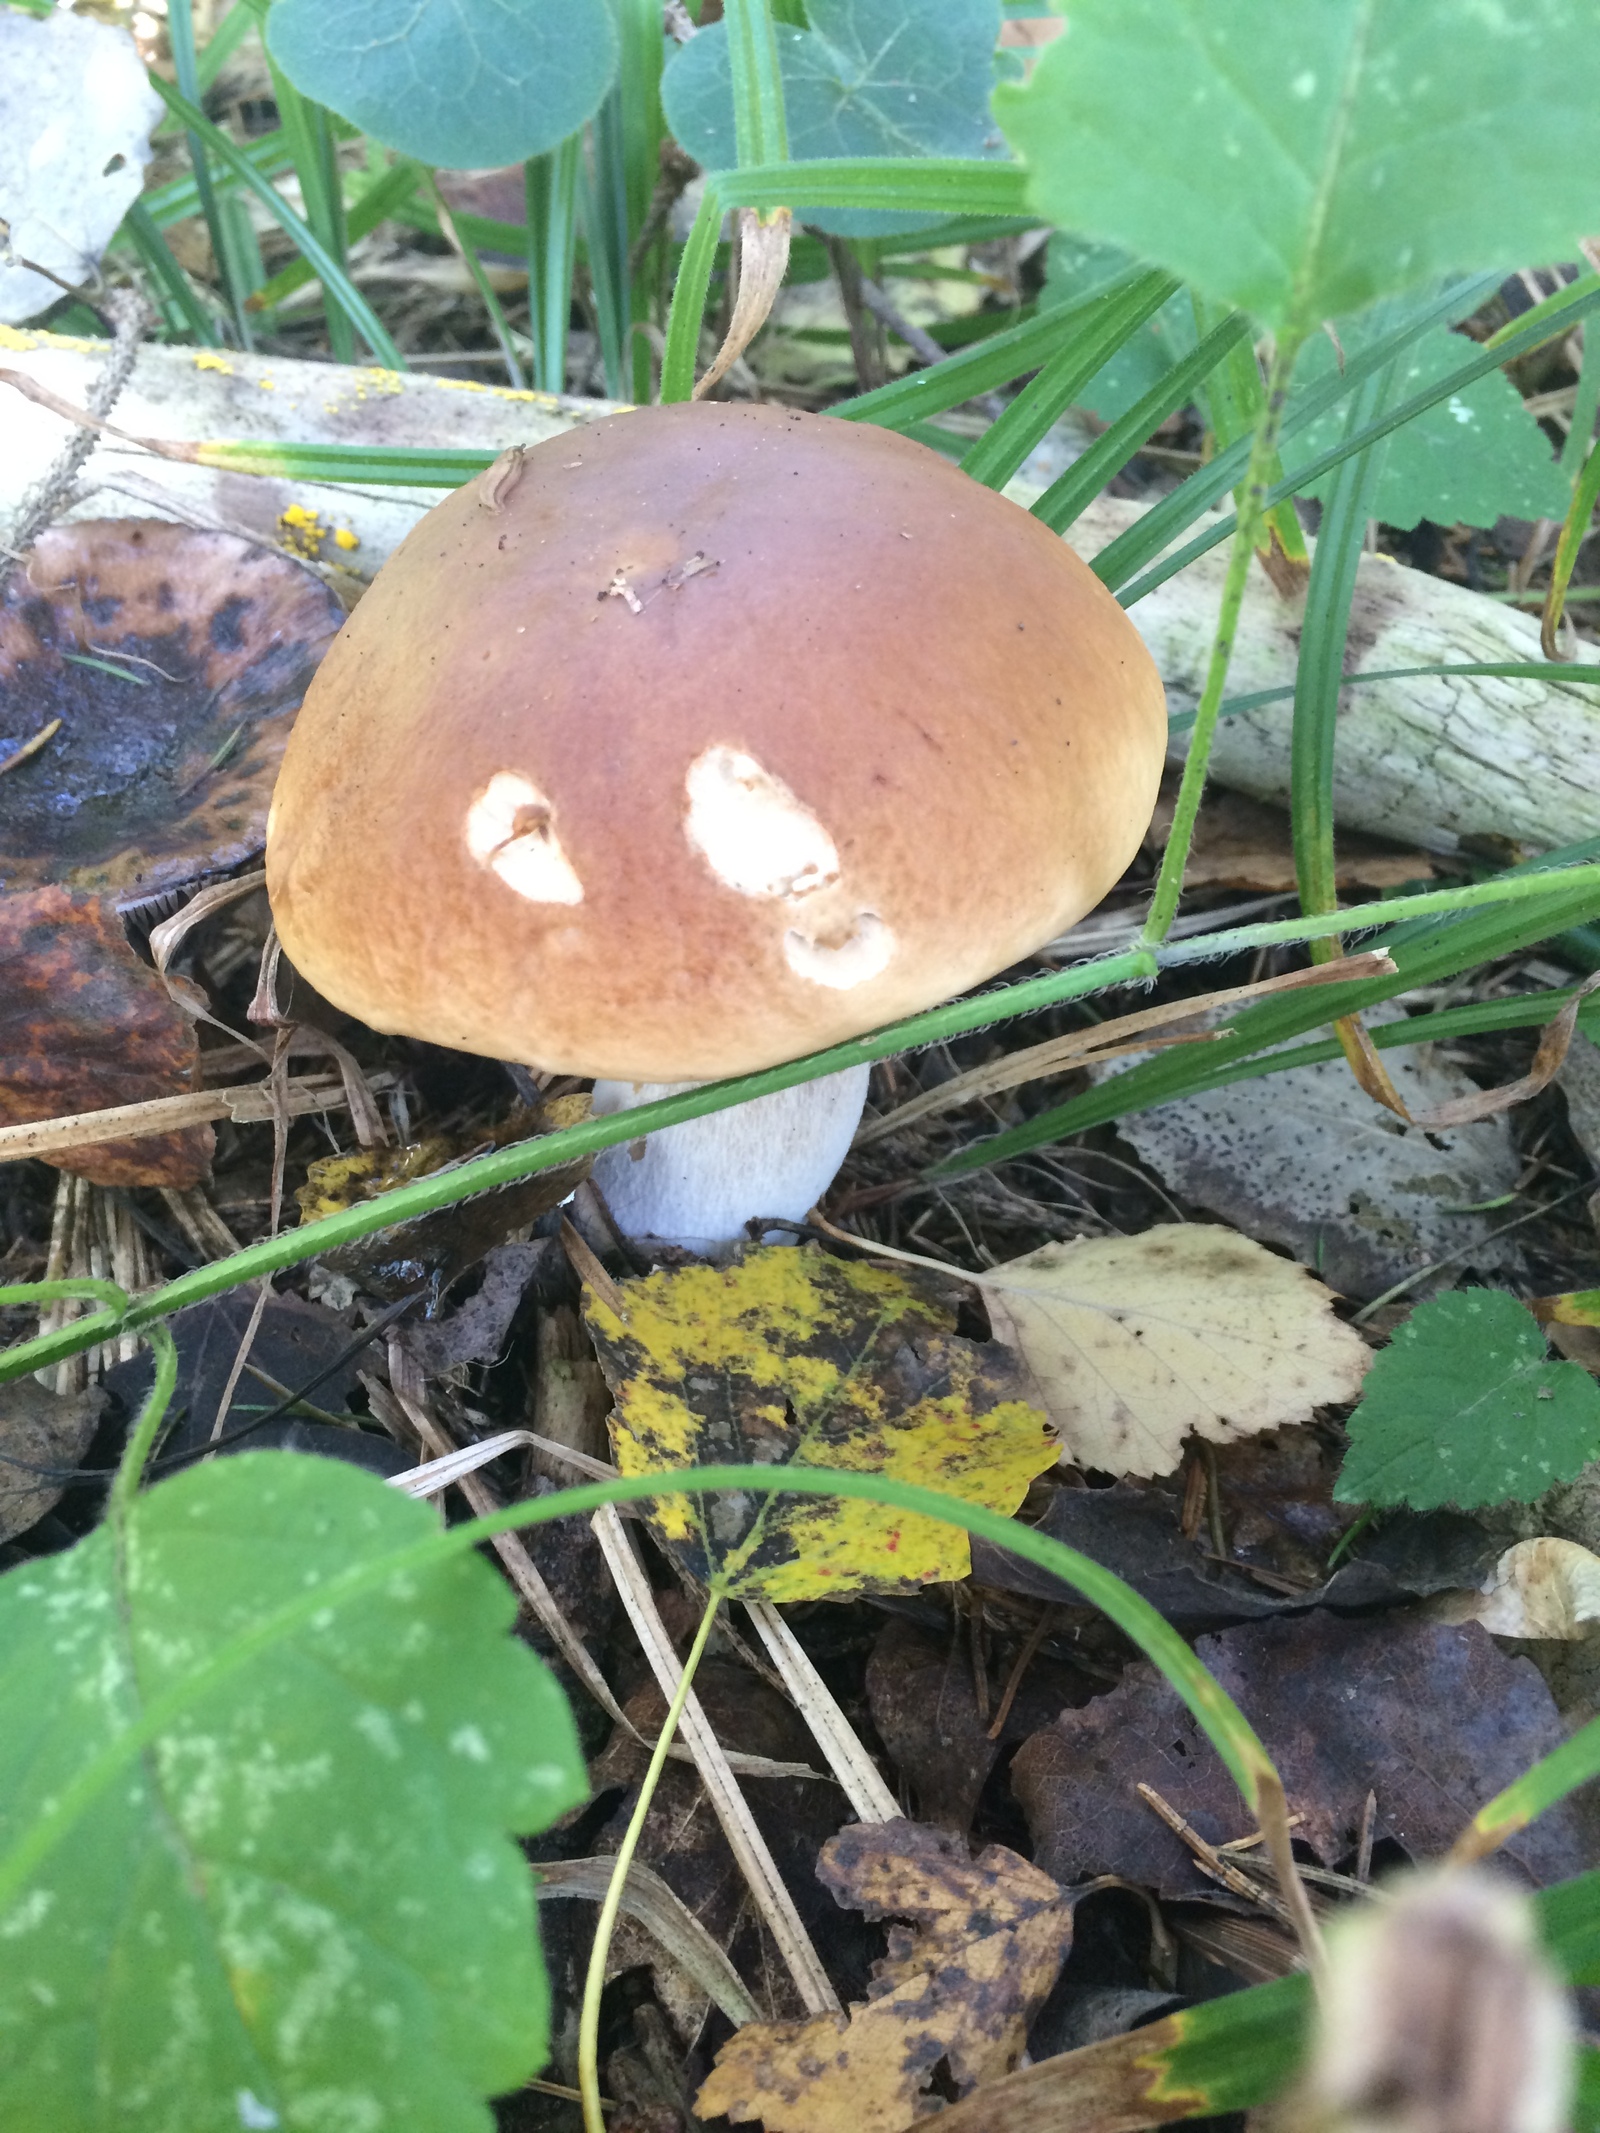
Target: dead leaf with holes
963	1979
790	1357
1131	1345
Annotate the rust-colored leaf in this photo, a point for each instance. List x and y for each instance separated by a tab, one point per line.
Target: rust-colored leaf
85	1024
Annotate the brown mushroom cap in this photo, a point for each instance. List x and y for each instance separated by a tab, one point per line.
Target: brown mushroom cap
701	738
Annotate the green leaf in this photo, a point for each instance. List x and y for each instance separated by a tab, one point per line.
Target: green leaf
1462	1408
304	1898
1309	159
1472	458
868	78
461	83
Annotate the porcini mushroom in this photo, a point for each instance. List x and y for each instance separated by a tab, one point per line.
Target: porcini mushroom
703	737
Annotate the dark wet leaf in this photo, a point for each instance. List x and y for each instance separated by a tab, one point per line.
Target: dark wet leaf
294	1344
1280	1526
925	1708
39	1428
175	661
84	1025
1435	1720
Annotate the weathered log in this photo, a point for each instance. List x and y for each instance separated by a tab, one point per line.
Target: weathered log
1430	760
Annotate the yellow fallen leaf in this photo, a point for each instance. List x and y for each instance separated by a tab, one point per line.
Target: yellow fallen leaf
791	1357
1132	1344
961	1984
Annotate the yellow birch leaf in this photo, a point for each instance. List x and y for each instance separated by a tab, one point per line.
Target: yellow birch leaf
1132	1344
790	1357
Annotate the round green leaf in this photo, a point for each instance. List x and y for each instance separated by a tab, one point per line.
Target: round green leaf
301	1906
867	78
1462	1408
1301	158
460	83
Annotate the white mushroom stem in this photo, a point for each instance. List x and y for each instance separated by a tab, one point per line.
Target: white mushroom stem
698	1184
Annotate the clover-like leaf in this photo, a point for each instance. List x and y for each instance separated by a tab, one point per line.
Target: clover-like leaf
463	83
1463	1408
867	78
1300	162
300	1903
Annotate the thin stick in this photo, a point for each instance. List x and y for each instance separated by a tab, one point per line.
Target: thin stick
732	1809
1211	1861
605	1925
849	1761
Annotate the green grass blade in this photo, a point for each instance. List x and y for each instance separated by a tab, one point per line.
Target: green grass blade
336	283
689	297
182	307
603	227
180	198
761	127
1071	493
1131	551
481	282
1504	670
1490	931
918	185
305	127
379	466
551	183
1576	1762
996	360
221	45
1489	357
1110	322
1325	632
180	29
381	202
1574	532
1423	956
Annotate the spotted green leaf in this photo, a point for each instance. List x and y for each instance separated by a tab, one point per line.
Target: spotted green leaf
1299	159
300	1904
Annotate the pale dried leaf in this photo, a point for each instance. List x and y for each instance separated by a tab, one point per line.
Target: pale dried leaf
1542	1588
1134	1344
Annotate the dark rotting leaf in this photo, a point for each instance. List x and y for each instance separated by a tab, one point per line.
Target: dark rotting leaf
175	661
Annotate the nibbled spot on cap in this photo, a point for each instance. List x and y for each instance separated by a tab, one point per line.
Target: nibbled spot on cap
750	829
511	830
863	953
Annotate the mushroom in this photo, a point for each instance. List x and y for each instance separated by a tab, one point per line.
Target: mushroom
701	738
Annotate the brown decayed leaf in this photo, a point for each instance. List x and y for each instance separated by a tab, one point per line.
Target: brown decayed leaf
163	766
961	1984
84	1024
40	1429
1434	1719
1134	1344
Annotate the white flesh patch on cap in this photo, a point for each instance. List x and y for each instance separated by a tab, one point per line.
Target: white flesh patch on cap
751	831
511	829
863	953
